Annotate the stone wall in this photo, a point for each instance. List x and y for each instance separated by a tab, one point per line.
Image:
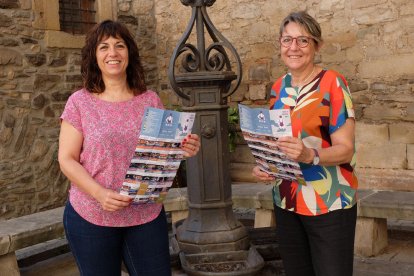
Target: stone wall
370	42
35	82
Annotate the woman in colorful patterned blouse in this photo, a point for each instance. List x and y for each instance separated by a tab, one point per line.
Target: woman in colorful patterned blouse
99	131
315	221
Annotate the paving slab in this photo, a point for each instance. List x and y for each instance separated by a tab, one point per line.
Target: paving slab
398	259
373	267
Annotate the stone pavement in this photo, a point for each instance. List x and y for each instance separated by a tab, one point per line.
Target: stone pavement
397	260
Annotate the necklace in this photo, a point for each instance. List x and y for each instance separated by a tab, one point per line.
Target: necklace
306	79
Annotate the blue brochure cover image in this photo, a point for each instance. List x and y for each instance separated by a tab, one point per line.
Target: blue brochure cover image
261	129
157	155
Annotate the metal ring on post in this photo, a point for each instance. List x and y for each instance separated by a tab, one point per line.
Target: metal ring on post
208	131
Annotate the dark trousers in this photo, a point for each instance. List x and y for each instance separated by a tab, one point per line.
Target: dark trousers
317	245
100	250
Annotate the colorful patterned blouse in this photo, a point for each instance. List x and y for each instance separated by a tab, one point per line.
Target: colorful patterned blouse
110	131
317	110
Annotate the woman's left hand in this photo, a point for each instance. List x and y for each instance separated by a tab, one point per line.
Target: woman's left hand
190	145
295	150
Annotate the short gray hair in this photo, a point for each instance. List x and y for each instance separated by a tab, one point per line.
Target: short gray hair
307	22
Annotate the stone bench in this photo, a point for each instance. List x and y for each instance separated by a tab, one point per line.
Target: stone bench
244	195
374	207
25	231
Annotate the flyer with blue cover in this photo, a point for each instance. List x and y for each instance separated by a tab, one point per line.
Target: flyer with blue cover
157	155
261	129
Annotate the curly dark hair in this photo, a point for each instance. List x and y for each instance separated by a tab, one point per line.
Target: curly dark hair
92	75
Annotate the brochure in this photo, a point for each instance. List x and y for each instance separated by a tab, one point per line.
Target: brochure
261	129
157	155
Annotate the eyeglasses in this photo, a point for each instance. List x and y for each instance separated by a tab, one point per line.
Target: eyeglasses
301	41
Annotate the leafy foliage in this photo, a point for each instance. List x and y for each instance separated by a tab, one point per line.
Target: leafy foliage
233	121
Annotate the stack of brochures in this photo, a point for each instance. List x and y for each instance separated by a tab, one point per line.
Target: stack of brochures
261	129
157	155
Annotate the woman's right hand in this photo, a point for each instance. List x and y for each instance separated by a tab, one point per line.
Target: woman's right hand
263	176
112	201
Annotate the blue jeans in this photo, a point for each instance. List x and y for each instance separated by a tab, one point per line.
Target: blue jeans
317	245
100	250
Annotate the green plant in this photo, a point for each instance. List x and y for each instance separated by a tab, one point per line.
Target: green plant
233	122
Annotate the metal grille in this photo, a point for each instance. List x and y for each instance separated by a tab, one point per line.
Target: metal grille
76	16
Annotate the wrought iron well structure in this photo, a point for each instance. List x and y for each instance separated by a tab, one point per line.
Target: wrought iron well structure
204	80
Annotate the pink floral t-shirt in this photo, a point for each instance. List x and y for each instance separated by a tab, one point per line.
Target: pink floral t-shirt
110	131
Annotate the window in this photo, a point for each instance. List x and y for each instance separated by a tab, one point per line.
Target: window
76	16
66	22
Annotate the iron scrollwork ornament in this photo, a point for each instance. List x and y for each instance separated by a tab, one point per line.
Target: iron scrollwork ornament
213	58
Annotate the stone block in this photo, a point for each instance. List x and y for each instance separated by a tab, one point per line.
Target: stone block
8	265
105	10
262	51
245	11
371	236
259	31
244	195
372	134
33	229
358	4
142	7
354	54
57	39
374	15
402	133
380	112
386	179
8	56
336	57
9	4
410	112
410	158
176	200
257	91
390	66
360	98
259	72
242	154
382	155
26	4
36	59
4	244
178	215
407	9
240	93
264	218
388	204
247	195
265	198
242	172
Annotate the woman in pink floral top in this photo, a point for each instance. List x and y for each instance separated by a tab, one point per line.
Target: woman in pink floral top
315	220
100	126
